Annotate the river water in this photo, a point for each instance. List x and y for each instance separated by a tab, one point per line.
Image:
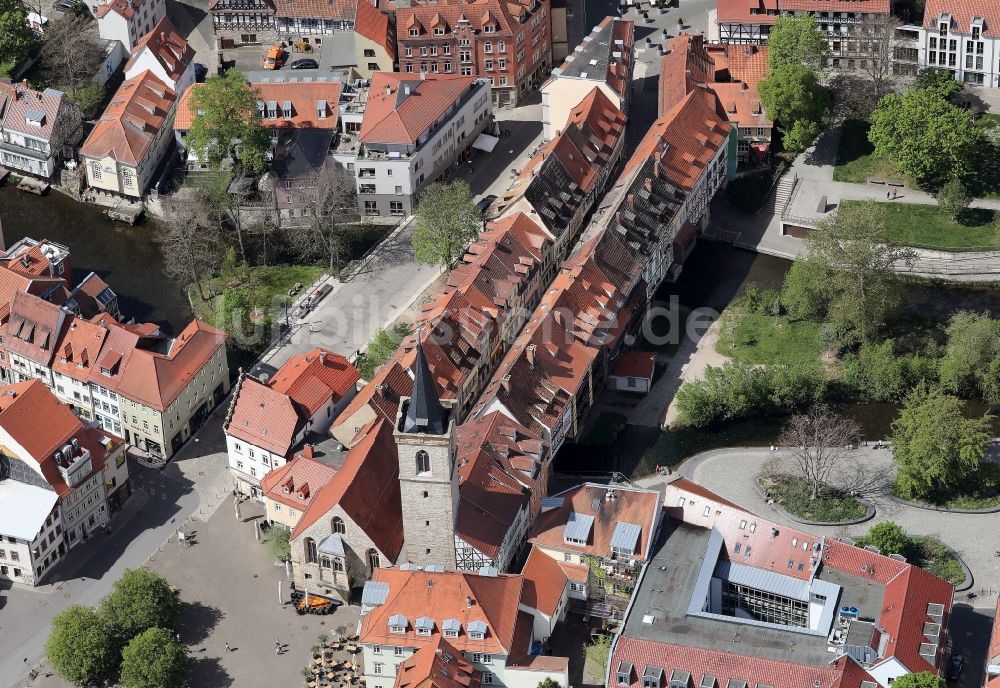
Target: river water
125	257
713	275
131	262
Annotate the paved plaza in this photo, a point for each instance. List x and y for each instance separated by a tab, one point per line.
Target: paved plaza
229	585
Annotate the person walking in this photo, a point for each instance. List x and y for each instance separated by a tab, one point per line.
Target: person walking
228	649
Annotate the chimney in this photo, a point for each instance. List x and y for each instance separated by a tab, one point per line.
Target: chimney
469	602
406	87
531	354
388	90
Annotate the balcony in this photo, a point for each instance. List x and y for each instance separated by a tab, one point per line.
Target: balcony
24	150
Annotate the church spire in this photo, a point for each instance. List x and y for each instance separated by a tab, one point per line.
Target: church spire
424	412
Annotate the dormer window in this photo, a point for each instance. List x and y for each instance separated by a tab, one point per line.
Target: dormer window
321	109
477	630
438	30
451	628
577	529
260	109
414	32
272	109
424	626
652	677
286	109
490	28
398	624
624	673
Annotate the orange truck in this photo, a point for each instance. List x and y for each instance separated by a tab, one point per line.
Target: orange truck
274	58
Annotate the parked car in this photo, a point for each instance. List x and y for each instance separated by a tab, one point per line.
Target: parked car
306	63
955	666
320	294
484	203
274	58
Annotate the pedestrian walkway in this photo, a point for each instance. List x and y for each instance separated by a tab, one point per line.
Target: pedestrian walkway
815	195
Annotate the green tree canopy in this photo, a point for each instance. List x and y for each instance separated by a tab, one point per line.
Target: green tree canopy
938	80
852	245
153	659
226	119
953	197
972	348
381	348
277	543
795	99
935	446
924	679
888	537
139	601
929	138
80	647
16	38
447	221
878	373
795	39
548	683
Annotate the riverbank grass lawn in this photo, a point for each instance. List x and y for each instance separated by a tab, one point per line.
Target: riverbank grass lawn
768	340
856	159
931	227
793	495
268	286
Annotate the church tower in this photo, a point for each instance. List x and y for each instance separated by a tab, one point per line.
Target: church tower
428	476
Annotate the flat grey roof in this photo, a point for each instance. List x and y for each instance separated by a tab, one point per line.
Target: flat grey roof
666	591
590	59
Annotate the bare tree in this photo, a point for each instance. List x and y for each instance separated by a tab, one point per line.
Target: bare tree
822	443
70	54
190	246
330	217
877	39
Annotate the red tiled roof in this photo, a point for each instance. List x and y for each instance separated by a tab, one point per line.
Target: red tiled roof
305	97
130	123
34	328
993	656
264	417
77	350
34	418
297	483
366	487
438	665
156	379
479	13
168	48
499	463
394	116
544	582
962	13
738	11
313	379
125	8
857	6
375	26
636	364
905	611
494	602
631	505
723	665
316	9
683	141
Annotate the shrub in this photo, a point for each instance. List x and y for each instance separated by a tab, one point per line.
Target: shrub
740	390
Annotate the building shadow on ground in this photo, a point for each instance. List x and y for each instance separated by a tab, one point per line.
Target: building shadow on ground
208	672
197	621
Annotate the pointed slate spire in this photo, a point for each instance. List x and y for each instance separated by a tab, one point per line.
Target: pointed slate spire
424	412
